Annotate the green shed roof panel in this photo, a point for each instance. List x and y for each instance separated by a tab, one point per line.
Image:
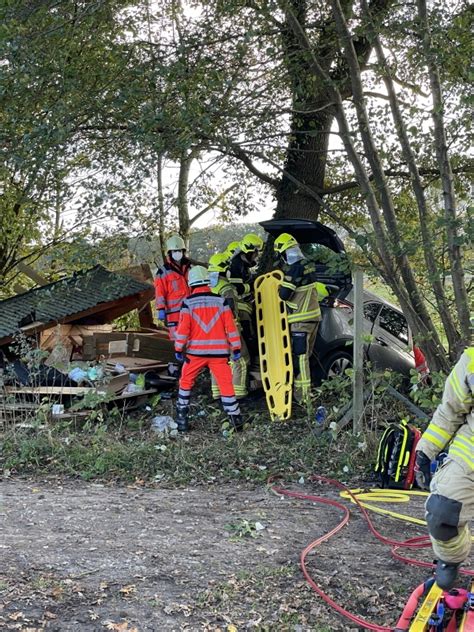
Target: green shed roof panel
62	299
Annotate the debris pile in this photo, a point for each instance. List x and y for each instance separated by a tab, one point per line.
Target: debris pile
58	344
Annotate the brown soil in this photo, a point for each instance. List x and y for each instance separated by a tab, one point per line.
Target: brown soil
82	556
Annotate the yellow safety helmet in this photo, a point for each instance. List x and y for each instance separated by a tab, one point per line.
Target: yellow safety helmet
251	242
198	275
218	263
231	248
283	242
175	242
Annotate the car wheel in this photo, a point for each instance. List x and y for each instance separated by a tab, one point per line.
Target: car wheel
336	363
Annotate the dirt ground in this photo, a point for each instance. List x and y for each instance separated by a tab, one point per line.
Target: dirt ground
85	556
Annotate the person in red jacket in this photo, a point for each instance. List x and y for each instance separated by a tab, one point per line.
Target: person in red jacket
171	283
207	334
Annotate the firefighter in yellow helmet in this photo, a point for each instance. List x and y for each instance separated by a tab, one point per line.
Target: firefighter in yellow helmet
242	277
231	248
450	505
299	291
219	284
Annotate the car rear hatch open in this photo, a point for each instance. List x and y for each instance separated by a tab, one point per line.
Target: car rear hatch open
319	244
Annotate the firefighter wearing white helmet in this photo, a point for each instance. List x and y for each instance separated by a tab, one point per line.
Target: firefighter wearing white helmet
220	284
171	283
241	275
299	290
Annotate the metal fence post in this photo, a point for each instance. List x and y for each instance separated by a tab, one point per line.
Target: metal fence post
358	377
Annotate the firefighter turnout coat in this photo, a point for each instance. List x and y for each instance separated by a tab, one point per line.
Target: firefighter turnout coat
453	421
450	505
299	291
228	291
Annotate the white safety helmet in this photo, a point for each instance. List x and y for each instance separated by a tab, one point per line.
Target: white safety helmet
198	275
175	242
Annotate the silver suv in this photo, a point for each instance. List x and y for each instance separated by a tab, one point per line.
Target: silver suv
390	344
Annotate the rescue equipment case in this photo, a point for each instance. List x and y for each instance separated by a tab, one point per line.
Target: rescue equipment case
396	453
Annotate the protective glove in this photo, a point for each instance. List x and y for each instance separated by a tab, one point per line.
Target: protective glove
179	356
423	470
161	315
236	355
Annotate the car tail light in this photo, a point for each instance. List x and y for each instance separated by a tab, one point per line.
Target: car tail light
332	301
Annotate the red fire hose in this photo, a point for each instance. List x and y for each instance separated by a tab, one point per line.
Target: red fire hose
413	543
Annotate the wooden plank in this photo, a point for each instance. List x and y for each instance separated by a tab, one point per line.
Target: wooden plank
49	390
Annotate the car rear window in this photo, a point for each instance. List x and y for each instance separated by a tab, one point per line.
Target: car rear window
395	323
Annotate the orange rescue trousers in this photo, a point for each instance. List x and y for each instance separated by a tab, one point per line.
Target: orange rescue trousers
222	373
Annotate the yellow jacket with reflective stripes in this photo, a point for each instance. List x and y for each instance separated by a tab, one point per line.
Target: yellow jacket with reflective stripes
300	292
227	290
453	421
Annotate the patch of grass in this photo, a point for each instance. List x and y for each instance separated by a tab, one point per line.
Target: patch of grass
202	456
123	448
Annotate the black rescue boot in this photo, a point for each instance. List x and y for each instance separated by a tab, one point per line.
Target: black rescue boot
182	418
446	574
236	422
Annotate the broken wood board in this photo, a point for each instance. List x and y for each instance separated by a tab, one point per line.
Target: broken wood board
153	346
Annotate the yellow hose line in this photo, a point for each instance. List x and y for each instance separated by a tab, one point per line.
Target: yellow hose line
386	496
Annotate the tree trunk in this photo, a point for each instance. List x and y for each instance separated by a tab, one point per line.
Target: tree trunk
311	121
160	205
306	161
423	213
450	211
182	201
418	312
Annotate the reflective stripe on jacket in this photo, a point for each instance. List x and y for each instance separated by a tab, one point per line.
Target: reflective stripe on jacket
171	287
225	289
453	420
300	292
206	325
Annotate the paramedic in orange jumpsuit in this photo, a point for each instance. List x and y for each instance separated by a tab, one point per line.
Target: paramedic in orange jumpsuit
205	338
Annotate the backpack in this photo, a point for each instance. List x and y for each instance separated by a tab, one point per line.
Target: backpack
396	455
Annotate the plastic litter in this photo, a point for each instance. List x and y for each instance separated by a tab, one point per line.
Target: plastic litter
320	416
77	374
164	424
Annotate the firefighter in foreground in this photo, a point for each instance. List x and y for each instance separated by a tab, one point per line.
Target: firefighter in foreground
450	505
245	258
299	290
219	284
171	283
205	337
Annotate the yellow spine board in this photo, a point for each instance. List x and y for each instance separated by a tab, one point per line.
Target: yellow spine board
274	344
467	621
428	607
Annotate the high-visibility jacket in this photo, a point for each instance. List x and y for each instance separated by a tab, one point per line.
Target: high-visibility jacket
206	325
299	290
227	290
171	287
453	420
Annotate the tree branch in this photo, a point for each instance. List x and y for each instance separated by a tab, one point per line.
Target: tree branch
212	204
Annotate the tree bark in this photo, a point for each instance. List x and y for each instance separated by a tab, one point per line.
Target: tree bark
423	213
417	312
160	205
449	197
182	200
